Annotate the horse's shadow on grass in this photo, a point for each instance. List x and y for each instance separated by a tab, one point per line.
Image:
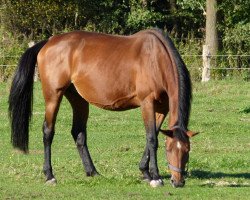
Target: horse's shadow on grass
199	174
217	175
207	175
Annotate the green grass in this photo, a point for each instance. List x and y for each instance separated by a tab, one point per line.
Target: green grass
219	160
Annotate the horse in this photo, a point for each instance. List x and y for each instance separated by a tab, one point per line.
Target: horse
115	73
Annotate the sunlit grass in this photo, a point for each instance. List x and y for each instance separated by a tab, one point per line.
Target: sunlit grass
219	165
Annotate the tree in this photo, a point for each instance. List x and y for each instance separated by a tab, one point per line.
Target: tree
211	29
211	43
173	9
235	26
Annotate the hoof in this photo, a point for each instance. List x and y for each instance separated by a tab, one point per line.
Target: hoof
92	174
156	183
51	182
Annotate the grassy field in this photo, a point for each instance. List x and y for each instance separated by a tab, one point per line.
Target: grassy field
219	160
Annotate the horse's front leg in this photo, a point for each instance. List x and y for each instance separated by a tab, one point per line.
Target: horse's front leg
144	164
150	172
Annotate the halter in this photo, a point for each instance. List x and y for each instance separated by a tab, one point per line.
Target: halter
179	170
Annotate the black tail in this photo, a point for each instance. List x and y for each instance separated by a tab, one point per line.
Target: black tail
20	98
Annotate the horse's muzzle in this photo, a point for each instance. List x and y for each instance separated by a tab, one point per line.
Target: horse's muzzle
177	184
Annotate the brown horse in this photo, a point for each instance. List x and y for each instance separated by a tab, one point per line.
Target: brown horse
115	73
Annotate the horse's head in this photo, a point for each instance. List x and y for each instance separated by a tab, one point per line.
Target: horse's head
177	152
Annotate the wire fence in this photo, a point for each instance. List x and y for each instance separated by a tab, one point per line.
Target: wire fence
221	66
228	62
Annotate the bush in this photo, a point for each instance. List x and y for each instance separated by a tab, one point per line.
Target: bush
191	50
11	48
141	18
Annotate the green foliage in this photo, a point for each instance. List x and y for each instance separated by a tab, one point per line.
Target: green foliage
237	36
234	11
42	17
11	48
107	16
141	18
191	49
39	17
235	26
183	19
189	15
191	4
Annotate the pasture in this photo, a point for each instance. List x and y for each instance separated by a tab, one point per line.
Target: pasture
219	166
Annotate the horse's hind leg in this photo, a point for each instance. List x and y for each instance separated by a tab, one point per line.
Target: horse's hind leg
52	102
80	109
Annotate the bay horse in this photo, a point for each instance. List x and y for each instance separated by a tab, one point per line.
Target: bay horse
115	73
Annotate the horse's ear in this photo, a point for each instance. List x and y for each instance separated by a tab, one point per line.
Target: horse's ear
168	133
191	133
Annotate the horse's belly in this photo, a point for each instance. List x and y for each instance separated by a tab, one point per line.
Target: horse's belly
111	96
125	103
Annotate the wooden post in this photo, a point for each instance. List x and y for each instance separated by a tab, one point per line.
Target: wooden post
31	44
206	56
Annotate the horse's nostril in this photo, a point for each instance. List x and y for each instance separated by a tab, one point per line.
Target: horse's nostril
172	182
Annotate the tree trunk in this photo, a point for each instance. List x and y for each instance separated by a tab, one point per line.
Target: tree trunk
211	30
173	10
206	64
172	5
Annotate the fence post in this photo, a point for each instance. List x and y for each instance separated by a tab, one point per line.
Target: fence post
206	56
31	44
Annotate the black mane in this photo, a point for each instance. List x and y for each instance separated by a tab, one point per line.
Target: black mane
185	90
